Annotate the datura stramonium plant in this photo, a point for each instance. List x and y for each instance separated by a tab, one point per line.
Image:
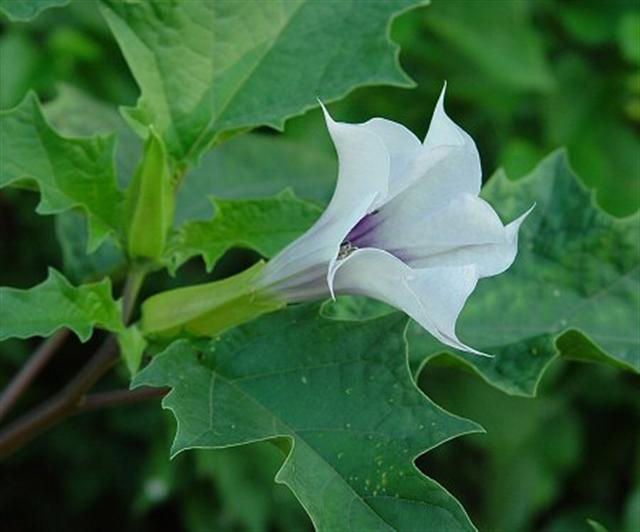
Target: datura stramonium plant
405	226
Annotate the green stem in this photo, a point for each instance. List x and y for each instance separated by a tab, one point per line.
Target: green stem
132	287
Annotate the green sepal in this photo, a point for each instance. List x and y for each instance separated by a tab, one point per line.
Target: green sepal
208	309
150	202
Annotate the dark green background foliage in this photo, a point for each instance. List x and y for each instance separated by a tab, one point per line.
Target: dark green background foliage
524	78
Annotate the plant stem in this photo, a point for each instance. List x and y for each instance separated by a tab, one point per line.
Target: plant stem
71	398
61	405
119	397
130	292
21	381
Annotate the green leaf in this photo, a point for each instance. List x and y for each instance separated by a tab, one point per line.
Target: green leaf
150	202
574	289
78	265
592	23
207	69
19	64
55	303
132	345
596	527
69	172
258	165
530	451
25	10
243	478
340	393
354	308
569	119
266	225
629	36
75	113
248	166
499	38
631	517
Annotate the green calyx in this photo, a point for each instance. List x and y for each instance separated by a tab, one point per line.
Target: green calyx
209	309
150	202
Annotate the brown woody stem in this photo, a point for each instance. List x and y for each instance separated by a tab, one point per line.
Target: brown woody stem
108	399
30	371
72	398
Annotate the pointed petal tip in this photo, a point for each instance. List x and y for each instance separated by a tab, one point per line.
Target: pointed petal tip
478	353
453	341
513	227
442	129
443	92
327	116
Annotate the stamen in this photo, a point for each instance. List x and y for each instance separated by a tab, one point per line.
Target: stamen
346	249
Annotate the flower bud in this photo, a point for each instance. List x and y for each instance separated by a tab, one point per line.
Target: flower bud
150	202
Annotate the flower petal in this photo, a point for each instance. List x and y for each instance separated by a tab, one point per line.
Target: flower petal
445	132
363	178
402	146
464	232
446	168
363	165
314	251
433	297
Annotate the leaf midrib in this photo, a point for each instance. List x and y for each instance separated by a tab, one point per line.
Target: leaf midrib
296	435
233	95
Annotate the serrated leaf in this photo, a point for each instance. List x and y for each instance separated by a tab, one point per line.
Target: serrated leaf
266	225
258	165
574	289
341	393
68	172
55	303
25	10
243	477
75	113
206	69
529	451
78	265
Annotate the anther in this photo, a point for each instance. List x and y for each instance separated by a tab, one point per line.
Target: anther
346	249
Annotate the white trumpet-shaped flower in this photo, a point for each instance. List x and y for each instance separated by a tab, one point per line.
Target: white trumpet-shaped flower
405	225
